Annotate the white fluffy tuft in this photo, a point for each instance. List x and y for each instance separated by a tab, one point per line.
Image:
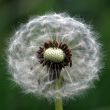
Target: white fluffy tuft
26	69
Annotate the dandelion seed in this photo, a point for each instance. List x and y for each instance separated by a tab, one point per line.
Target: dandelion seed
52	47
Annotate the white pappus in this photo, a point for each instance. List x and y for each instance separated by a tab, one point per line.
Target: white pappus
50	47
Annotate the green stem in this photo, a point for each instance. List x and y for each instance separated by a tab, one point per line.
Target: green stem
58	99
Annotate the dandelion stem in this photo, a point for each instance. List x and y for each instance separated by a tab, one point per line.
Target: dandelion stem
58	99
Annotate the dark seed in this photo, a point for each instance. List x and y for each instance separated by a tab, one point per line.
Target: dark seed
46	45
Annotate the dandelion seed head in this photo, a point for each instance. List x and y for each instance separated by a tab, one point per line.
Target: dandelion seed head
50	47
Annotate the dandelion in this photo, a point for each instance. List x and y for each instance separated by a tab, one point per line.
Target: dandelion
54	56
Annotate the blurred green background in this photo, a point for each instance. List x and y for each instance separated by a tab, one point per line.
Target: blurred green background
15	12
